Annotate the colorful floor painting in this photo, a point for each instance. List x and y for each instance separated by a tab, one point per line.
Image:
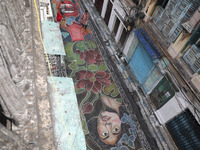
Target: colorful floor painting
105	120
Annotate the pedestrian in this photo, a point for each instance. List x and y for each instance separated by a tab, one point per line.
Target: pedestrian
84	19
59	17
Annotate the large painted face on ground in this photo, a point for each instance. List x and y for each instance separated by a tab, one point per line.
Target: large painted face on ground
105	121
108	127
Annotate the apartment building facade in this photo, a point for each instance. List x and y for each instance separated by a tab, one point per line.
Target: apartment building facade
160	42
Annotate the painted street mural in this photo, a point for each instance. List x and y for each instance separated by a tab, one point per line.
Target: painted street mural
105	120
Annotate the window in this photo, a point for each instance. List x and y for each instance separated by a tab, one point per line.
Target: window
108	12
190	12
162	3
173	35
192	58
99	5
158	14
168	20
123	37
163	92
185	131
116	26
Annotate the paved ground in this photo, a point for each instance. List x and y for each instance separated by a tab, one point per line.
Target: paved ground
107	115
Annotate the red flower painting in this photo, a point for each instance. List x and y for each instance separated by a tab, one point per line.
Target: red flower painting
87	108
91	56
91	80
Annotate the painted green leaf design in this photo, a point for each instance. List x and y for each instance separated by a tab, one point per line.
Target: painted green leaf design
103	67
112	89
93	67
68	50
84	124
85	45
73	65
78	91
90	44
81	45
71	56
79	61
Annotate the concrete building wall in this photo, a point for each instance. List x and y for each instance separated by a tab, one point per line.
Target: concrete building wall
176	47
23	88
172	50
149	9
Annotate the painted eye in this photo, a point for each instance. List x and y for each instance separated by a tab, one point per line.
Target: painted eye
104	134
116	130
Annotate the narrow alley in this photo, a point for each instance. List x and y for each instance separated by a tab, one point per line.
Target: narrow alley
109	114
100	75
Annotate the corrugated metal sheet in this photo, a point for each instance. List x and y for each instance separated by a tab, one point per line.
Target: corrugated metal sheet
185	131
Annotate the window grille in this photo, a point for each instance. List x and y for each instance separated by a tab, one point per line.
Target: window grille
163	92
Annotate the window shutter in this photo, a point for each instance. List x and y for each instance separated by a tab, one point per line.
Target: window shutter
163	20
180	10
175	33
192	57
168	27
196	66
158	14
190	12
170	6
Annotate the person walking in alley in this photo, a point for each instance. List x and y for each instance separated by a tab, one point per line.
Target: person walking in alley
59	17
84	19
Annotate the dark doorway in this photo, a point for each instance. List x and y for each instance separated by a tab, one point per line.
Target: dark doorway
162	3
108	12
99	4
3	118
116	26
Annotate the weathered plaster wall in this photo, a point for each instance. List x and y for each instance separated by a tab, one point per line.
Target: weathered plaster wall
196	81
25	85
176	47
149	8
10	141
13	44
